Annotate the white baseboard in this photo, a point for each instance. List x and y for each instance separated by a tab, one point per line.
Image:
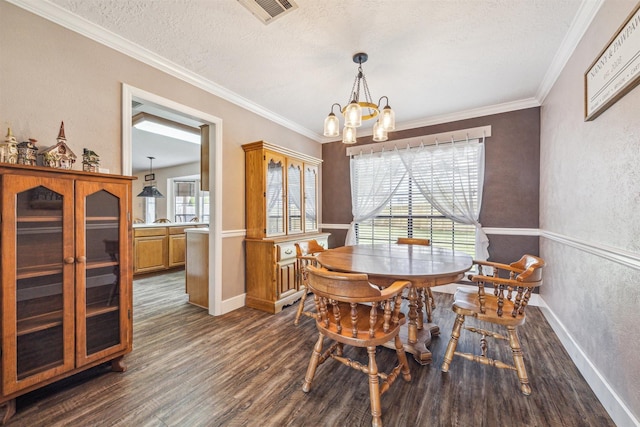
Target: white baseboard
618	411
232	303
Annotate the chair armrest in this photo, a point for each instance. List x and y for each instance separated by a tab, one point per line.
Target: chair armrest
395	288
497	280
497	265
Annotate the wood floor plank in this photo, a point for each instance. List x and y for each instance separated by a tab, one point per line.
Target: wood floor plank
246	368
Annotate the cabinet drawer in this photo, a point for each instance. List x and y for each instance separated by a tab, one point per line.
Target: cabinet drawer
144	232
179	230
286	251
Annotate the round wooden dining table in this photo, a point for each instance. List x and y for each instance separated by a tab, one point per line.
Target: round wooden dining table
423	266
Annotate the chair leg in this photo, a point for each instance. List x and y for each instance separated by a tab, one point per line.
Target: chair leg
402	358
313	364
431	299
453	343
300	308
422	301
374	388
518	360
429	304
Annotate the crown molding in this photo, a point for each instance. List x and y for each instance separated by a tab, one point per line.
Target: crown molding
70	21
581	22
470	114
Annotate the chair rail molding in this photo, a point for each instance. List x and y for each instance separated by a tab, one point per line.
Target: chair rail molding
621	256
233	233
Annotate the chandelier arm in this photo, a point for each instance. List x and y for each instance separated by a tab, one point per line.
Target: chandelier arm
380	101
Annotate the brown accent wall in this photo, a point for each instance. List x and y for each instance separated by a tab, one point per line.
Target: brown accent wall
511	183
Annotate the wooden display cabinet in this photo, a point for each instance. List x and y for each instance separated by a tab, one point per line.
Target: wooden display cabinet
66	275
281	194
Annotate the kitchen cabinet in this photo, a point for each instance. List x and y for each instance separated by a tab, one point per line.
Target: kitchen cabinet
159	247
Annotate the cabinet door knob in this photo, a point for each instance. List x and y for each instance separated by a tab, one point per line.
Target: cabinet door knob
82	259
69	260
288	251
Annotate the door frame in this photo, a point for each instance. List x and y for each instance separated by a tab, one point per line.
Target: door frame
215	178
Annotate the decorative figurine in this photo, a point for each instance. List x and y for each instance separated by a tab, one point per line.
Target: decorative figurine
90	161
9	149
28	153
59	156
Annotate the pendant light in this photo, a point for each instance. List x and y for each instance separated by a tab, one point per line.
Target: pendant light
150	190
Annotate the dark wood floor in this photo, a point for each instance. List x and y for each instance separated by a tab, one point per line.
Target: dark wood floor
246	369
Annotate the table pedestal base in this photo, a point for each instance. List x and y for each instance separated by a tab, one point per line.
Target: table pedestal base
419	349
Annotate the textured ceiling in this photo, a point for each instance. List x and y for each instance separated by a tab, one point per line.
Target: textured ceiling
432	58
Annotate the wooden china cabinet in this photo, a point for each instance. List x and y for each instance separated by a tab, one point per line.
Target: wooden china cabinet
66	275
281	195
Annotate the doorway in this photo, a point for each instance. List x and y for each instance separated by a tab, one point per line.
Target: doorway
214	160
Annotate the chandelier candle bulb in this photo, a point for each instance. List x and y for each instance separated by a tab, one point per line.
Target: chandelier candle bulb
388	118
353	115
331	125
379	132
349	135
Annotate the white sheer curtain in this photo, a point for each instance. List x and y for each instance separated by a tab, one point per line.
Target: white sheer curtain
275	208
450	177
374	179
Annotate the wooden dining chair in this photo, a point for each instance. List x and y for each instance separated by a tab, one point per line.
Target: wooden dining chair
512	287
306	253
424	294
161	221
353	311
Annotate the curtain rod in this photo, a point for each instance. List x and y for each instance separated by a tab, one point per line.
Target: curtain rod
444	137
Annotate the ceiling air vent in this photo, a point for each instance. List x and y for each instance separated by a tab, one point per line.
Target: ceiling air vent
268	10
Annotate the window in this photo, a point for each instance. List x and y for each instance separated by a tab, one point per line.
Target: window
409	214
149	209
431	192
189	201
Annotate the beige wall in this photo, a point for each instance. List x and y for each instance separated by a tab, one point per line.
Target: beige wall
590	195
49	74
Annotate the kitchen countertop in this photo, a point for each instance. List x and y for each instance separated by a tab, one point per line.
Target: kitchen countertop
170	224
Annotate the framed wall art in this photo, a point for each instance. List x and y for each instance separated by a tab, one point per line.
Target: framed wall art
616	69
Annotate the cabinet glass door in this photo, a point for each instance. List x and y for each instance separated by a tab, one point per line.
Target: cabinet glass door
99	289
310	198
294	197
37	276
275	195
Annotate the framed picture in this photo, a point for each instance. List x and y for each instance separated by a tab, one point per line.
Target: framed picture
616	70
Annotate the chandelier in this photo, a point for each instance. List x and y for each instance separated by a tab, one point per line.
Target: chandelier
360	108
